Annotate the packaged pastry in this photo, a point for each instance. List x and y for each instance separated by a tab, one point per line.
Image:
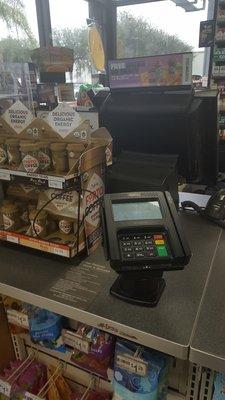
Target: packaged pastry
30	156
45	160
66	225
24	192
3	152
59	157
39	227
13	152
11	216
96	352
23	209
74	151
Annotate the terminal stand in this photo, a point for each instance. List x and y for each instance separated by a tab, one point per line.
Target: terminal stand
140	288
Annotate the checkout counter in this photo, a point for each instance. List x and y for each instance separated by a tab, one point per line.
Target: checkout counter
187	321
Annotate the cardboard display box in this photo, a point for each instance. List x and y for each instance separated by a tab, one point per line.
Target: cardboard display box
88	179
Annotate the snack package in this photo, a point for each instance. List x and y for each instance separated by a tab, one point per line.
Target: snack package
219	386
30	379
97	350
139	373
16	315
53	393
45	328
23	192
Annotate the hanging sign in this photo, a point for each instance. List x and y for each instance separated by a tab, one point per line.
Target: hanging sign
64	119
18	117
165	70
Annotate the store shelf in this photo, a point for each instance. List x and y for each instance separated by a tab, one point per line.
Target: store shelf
67	290
76	375
221	22
48	180
39	244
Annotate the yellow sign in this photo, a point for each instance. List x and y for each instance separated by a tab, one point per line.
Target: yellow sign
96	48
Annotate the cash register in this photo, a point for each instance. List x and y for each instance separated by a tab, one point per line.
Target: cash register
142	238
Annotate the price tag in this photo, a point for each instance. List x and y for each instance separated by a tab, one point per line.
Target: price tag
30	396
18	318
12	239
5	175
76	341
61	252
52	183
132	364
5	388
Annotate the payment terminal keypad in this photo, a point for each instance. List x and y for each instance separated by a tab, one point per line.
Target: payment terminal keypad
143	246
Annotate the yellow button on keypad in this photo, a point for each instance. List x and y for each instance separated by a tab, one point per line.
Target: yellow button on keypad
159	242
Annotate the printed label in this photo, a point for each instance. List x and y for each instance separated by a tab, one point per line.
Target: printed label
38	228
3	155
68	199
76	341
5	388
96	187
64	119
52	183
30	163
44	160
65	226
18	116
71	154
5	175
17	318
12	239
7	222
132	364
61	252
30	396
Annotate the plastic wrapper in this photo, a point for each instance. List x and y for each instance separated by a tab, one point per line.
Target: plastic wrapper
100	351
31	379
219	386
46	328
139	373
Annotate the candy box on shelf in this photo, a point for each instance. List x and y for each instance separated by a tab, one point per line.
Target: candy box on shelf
93	349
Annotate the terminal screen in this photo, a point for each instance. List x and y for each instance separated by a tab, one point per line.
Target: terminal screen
134	211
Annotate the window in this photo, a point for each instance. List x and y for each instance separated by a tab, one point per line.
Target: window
159	27
69	29
20	34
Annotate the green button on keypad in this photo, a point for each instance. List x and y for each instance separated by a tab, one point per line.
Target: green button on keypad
162	251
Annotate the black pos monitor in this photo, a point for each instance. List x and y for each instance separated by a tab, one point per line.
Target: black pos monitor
142	237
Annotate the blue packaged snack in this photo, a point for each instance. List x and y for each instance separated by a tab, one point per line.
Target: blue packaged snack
139	373
219	386
46	328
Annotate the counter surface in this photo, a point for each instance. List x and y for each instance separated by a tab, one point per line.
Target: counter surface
82	292
208	344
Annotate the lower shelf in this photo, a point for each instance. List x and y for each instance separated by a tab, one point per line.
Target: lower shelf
39	244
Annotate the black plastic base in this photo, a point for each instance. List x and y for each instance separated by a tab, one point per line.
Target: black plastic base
137	289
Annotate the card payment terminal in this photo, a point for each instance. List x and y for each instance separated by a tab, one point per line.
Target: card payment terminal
142	237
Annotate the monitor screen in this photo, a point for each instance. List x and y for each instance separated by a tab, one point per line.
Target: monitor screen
134	211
